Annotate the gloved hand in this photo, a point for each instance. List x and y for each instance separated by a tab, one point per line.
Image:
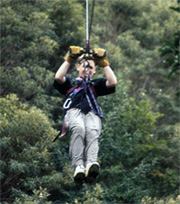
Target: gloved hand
100	57
73	53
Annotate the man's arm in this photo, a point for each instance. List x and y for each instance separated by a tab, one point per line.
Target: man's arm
70	57
110	76
102	61
60	74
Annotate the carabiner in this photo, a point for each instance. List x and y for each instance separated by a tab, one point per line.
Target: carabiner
67	103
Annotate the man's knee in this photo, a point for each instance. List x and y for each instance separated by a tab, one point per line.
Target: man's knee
79	129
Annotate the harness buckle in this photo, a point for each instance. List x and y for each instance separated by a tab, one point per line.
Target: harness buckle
67	103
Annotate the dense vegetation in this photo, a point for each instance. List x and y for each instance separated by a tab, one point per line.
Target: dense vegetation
139	144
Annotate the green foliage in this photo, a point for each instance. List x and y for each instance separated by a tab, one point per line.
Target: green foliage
69	23
91	196
25	136
140	137
40	197
149	200
126	148
170	51
154	24
32	85
26	35
28	43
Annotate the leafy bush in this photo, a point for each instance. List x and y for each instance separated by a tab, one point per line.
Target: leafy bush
25	136
149	200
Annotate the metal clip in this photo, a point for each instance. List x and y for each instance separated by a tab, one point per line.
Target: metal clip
67	103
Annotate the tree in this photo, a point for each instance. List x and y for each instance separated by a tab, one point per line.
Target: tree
25	160
170	51
26	34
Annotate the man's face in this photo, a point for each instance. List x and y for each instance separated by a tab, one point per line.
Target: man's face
90	67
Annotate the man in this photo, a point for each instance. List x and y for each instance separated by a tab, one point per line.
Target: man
83	114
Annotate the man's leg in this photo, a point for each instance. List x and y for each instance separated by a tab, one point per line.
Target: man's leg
75	122
93	130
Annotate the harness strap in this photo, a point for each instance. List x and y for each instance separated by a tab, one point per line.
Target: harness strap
79	79
62	132
97	111
69	91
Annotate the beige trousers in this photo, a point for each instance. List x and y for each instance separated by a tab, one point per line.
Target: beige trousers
85	130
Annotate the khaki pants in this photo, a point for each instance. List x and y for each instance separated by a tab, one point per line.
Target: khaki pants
85	130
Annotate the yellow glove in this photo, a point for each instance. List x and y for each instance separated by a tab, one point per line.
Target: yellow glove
100	57
73	53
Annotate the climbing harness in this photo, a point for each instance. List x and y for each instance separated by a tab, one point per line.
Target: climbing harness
87	87
80	84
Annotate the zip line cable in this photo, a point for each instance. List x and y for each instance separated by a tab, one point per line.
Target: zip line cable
87	20
92	15
89	27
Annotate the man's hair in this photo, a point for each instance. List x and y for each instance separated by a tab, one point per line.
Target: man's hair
84	57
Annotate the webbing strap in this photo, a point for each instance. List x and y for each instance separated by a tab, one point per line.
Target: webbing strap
99	112
72	89
97	109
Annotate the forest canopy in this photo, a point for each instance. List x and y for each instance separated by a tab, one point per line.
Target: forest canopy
139	144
